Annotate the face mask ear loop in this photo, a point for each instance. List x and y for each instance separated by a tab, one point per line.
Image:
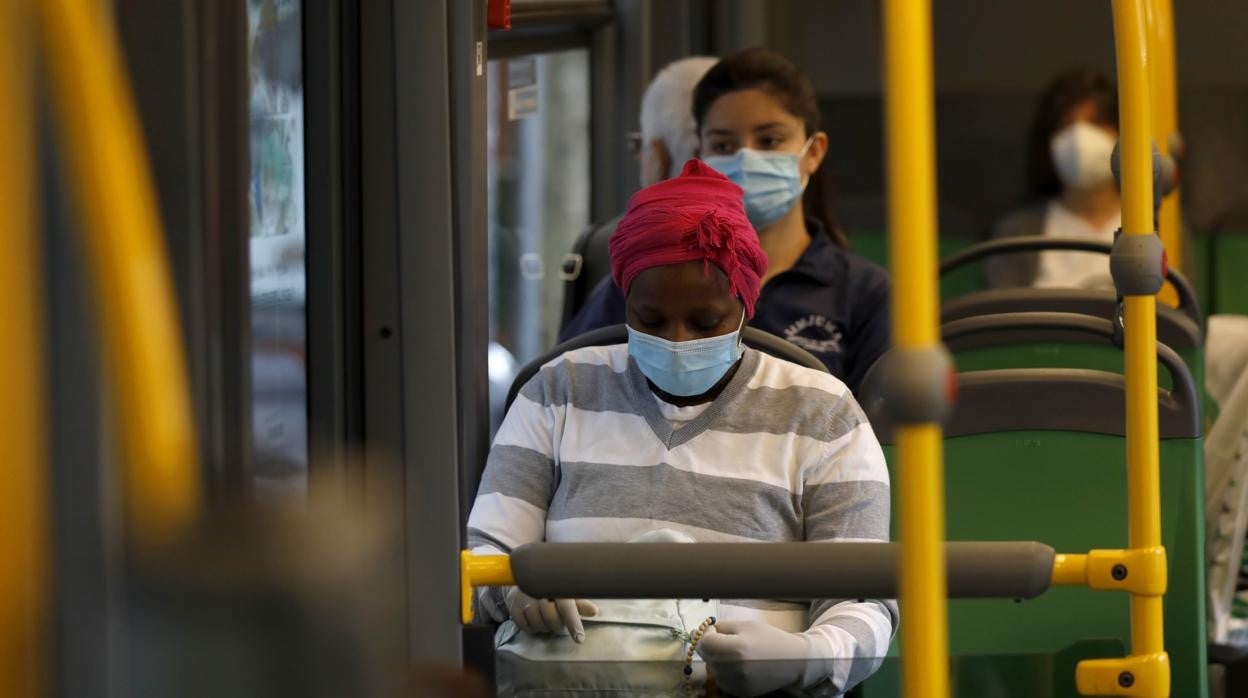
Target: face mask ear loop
741	326
801	154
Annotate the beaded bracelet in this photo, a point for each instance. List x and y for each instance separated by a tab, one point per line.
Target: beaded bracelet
694	638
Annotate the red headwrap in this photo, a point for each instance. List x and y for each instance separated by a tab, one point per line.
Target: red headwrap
697	216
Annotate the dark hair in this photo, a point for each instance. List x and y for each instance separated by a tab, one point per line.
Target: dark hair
758	68
1067	91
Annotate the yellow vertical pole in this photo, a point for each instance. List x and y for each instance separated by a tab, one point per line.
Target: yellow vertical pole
126	254
909	122
1161	63
1143	473
24	537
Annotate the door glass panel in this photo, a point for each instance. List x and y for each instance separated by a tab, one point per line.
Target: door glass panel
278	282
539	201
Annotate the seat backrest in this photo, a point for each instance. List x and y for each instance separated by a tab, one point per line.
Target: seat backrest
1039	454
618	334
1053	340
1068	490
1171	328
588	263
1180	328
1175	328
1015	347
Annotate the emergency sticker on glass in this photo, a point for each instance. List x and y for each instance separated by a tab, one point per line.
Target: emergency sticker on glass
522	88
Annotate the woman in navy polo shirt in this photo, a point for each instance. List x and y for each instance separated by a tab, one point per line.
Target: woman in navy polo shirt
758	121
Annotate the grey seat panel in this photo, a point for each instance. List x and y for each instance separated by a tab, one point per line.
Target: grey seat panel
1060	399
1045	399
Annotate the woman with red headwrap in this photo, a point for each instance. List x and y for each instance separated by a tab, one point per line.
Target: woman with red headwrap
684	433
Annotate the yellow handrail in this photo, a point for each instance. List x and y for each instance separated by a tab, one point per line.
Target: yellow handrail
24	537
480	570
126	255
1144	483
1146	671
910	126
1160	18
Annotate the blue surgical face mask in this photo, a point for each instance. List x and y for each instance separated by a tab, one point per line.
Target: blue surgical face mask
687	368
772	180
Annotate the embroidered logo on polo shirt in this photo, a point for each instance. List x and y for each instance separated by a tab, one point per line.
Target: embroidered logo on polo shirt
815	333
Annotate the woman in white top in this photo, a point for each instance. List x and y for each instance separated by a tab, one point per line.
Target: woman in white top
1072	137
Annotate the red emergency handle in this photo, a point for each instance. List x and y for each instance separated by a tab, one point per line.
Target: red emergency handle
499	15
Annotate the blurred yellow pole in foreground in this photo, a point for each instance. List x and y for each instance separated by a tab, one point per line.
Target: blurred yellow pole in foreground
126	254
24	536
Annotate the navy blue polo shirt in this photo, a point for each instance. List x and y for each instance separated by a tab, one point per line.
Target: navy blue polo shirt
832	303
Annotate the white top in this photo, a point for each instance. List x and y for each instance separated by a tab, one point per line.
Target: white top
1074	269
680	416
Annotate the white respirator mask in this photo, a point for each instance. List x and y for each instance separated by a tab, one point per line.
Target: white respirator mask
1081	155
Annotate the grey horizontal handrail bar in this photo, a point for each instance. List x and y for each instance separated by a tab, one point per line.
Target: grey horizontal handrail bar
1018	570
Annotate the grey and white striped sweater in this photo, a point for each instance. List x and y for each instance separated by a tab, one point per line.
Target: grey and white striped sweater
783	454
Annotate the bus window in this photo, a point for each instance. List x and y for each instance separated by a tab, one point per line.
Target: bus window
278	283
539	201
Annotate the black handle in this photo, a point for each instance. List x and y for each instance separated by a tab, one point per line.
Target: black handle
1040	243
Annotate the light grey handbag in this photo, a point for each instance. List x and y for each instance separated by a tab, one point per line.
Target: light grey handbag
631	648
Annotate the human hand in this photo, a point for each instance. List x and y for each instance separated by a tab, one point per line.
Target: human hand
752	657
545	616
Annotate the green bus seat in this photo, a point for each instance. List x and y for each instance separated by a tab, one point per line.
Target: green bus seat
1182	328
1189	304
1011	339
1039	454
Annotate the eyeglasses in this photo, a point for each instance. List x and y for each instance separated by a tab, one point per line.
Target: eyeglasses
634	142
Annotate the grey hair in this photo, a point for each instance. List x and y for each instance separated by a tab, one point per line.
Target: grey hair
667	109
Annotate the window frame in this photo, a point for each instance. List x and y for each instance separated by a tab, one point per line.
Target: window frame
545	26
332	241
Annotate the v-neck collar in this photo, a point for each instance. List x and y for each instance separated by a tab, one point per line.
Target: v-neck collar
643	400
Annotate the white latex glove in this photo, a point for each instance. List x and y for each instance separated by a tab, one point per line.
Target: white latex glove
751	657
543	616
